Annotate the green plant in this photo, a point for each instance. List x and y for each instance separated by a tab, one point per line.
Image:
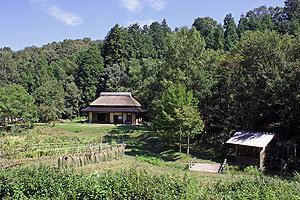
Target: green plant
252	170
159	162
297	176
45	182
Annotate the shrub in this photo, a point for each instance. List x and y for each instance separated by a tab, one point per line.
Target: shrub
252	170
51	183
258	187
297	176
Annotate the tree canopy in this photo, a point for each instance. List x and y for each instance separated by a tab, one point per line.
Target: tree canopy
16	106
242	76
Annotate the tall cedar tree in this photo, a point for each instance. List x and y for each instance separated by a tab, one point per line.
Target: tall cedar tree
89	74
114	47
158	33
231	35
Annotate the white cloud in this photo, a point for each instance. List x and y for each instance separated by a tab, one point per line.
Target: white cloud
137	5
157	4
66	17
132	5
141	22
49	6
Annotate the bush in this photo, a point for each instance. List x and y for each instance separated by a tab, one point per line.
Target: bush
258	187
252	170
51	183
297	176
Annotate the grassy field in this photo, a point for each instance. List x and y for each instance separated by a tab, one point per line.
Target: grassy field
146	155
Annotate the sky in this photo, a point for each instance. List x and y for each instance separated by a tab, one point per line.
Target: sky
25	23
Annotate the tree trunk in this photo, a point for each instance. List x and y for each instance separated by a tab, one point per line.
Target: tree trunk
188	145
71	114
4	121
78	112
180	142
204	133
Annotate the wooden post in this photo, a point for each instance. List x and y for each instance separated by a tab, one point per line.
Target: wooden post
122	118
262	159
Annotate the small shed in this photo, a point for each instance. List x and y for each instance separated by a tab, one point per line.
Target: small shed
252	147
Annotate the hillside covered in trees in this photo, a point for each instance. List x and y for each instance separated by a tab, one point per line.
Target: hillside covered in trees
243	76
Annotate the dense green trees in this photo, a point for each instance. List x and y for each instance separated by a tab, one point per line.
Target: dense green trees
16	106
72	97
211	32
256	19
184	54
115	77
177	115
89	72
292	9
243	76
50	100
114	46
8	67
268	73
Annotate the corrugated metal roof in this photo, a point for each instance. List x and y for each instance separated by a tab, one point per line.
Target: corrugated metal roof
254	139
115	99
113	109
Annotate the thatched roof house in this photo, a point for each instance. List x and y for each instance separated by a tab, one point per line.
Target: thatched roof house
115	108
252	147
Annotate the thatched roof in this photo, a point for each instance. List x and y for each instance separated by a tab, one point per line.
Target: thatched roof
254	139
115	99
113	109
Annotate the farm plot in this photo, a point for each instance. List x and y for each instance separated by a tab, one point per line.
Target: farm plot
66	154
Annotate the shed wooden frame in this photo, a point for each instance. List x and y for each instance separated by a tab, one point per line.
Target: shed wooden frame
252	147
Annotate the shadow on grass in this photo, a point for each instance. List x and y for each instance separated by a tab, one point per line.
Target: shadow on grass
207	152
141	141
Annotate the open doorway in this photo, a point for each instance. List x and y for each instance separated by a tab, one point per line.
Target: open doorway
118	119
101	117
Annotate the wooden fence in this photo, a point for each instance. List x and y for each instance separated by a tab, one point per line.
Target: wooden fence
192	162
223	166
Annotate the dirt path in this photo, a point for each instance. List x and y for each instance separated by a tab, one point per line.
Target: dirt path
203	167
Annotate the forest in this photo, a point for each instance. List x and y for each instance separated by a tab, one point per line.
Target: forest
203	82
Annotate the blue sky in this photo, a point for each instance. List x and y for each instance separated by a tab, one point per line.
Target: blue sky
37	22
